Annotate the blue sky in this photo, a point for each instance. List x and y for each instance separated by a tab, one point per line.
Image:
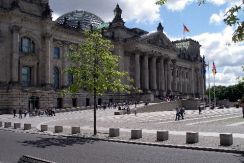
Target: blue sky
205	23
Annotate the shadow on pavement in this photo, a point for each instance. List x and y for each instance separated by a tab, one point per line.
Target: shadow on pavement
61	142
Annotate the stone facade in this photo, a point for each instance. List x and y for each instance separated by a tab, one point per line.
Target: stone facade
33	48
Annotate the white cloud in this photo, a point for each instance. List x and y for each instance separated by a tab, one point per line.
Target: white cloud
133	10
177	5
228	57
217	18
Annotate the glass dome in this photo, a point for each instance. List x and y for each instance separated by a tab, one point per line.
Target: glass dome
80	19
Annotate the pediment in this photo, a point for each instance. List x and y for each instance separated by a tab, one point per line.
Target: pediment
157	39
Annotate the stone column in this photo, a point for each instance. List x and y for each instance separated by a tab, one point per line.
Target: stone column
193	82
174	75
137	71
146	73
169	74
153	73
15	54
48	69
161	72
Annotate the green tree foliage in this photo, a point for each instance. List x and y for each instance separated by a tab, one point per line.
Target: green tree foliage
94	67
233	93
233	17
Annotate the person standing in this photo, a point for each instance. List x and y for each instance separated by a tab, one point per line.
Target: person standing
14	111
182	112
200	109
20	113
177	114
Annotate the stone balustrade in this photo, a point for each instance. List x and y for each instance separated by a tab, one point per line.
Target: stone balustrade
75	130
226	139
136	134
113	132
162	135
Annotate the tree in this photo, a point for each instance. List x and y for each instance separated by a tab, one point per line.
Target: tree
232	18
95	68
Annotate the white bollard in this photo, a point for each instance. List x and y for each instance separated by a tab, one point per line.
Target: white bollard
58	129
17	125
7	124
113	132
75	130
162	135
226	139
44	128
192	137
136	134
27	126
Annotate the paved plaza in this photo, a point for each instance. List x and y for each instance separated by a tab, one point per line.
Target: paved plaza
209	124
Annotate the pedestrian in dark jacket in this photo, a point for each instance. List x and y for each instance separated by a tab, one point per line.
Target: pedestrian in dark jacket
20	113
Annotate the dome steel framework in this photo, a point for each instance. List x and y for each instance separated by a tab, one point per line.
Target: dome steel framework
80	19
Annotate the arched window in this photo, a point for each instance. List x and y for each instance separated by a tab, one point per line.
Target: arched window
56	78
27	45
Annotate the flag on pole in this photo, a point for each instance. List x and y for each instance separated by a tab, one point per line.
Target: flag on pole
185	29
214	69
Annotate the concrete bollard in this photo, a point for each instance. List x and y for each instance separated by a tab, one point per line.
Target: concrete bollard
44	128
27	126
162	135
192	137
1	124
75	130
113	132
226	139
17	125
136	134
7	124
58	129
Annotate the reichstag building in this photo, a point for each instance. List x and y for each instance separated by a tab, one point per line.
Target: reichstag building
33	48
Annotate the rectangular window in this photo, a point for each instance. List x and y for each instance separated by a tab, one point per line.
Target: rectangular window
74	102
56	52
26	76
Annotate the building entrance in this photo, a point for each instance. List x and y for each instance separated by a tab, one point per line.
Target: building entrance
33	103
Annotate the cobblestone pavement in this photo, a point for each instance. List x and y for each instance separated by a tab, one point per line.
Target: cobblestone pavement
209	124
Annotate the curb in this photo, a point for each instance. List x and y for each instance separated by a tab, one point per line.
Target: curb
199	148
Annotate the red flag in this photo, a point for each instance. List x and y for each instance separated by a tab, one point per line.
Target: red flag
185	29
214	69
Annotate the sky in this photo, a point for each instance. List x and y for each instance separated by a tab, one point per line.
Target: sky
204	22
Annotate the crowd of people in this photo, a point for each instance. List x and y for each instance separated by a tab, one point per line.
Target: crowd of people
36	112
180	111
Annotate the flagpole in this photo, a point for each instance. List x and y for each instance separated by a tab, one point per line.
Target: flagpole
209	93
214	93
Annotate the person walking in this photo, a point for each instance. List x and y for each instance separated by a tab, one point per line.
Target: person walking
20	113
177	114
182	112
200	109
14	111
